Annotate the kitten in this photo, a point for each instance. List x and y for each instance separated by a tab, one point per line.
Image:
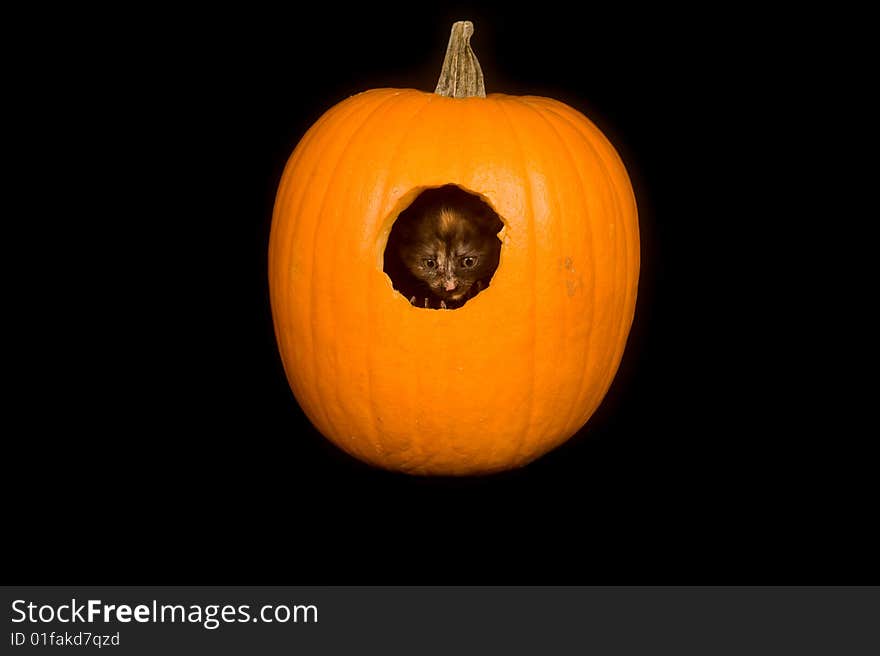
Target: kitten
447	242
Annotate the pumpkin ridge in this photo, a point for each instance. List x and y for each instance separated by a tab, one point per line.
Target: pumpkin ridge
527	189
394	156
617	354
287	236
585	352
365	137
279	235
587	397
362	138
614	357
312	296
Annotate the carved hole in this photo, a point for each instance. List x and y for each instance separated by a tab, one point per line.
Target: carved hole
443	249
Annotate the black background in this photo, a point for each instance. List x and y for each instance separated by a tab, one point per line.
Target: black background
161	443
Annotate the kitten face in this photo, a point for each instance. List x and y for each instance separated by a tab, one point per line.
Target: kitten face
450	251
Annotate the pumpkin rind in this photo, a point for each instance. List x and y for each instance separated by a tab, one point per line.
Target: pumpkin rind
519	368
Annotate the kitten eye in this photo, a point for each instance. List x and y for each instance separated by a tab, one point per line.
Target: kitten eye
468	261
430	263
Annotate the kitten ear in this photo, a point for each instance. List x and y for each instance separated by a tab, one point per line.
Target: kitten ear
487	218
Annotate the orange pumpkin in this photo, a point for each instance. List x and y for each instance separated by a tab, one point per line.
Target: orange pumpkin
522	366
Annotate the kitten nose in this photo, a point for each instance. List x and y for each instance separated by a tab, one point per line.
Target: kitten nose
450	285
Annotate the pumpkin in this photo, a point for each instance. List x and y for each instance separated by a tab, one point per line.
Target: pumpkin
519	368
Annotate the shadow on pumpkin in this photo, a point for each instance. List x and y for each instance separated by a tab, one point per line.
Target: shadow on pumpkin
443	249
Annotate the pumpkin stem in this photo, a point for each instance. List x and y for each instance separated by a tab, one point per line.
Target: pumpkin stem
461	76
